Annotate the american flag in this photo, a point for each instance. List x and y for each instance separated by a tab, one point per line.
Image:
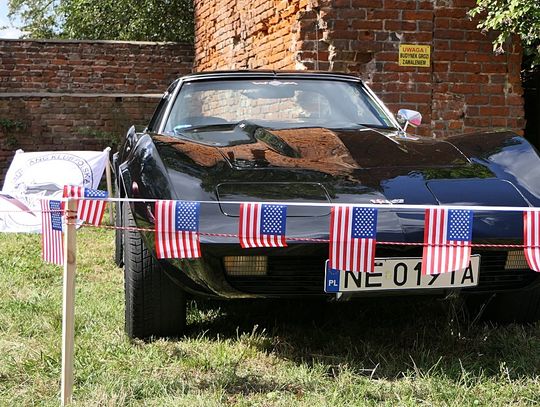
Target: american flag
262	225
177	229
89	210
353	233
447	240
531	238
52	245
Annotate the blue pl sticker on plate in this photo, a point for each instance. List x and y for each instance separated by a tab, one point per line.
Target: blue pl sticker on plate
331	280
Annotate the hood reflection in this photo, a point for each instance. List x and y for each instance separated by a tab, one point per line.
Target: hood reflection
330	151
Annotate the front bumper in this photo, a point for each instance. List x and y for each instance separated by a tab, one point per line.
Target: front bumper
298	272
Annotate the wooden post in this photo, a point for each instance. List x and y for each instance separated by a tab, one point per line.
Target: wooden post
68	309
109	185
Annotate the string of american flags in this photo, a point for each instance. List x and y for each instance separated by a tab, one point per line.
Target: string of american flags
352	231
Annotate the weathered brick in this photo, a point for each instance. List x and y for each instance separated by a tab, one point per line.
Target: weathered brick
383	14
417	15
358	24
420	98
71	122
494	68
447	55
466	67
399	4
476	78
477	99
449	34
450	12
499	121
488	111
465	88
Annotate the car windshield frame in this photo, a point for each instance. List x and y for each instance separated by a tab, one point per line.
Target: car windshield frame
334	97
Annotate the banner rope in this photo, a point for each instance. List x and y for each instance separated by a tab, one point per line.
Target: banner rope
306	239
297	239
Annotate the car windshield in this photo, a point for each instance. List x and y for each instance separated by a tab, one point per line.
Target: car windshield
284	103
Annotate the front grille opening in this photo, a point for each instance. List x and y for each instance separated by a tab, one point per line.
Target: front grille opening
304	275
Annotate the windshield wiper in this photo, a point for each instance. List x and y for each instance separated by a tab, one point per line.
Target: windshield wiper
377	126
188	128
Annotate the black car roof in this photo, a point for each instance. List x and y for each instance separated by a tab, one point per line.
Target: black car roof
270	74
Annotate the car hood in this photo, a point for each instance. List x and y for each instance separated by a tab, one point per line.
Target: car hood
248	162
320	165
247	145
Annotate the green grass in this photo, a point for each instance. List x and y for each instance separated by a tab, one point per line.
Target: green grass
374	352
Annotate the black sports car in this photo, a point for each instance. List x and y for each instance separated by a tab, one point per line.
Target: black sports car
322	138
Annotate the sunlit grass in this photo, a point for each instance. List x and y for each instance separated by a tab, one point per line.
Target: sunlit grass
376	352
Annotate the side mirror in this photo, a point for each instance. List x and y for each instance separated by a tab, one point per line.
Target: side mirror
406	117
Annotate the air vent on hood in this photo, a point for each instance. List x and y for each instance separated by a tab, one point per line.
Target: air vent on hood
274	192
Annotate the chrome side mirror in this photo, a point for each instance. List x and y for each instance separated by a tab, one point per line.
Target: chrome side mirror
406	117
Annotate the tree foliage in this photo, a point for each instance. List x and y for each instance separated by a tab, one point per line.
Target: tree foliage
133	20
507	17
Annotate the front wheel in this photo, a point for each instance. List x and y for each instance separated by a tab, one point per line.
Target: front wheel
154	305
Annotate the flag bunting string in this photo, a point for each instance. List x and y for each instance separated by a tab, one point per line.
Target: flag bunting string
304	239
298	239
352	233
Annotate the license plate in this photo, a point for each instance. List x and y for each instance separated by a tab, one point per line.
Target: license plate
400	274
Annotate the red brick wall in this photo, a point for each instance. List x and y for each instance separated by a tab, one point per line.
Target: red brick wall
244	34
466	87
70	95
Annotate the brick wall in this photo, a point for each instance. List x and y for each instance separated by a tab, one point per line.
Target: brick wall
70	95
465	88
246	34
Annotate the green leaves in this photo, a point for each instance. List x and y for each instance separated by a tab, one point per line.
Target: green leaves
129	20
508	17
39	17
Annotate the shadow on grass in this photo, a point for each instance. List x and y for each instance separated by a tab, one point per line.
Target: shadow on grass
383	338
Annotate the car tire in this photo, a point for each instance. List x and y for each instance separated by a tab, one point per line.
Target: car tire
154	305
519	306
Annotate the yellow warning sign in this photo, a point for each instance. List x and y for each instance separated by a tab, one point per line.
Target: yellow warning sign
414	55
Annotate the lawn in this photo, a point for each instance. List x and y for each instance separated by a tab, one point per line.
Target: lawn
375	352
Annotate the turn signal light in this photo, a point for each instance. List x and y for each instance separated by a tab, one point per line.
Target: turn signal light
245	265
516	260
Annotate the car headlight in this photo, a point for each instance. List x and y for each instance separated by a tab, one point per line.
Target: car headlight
245	265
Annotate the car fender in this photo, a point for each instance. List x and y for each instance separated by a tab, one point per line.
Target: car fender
509	156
